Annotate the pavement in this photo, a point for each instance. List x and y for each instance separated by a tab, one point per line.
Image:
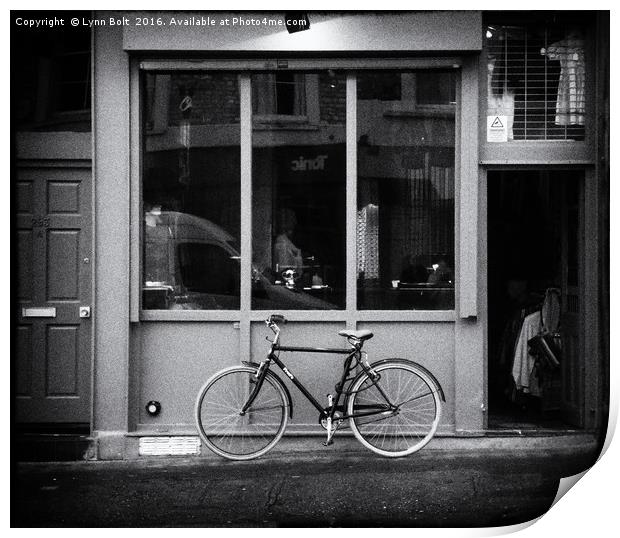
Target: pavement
484	482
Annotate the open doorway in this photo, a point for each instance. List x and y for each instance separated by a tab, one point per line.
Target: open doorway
535	268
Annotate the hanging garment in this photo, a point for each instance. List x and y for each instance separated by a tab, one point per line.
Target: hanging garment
500	96
571	103
523	364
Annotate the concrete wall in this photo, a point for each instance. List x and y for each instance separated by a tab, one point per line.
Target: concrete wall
111	253
431	31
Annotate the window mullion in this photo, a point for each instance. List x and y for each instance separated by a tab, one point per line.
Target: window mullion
246	193
351	198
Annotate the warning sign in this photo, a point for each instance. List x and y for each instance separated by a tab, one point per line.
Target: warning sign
497	129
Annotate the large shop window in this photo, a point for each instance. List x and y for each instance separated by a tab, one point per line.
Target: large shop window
537	79
298	192
402	253
405	204
191	191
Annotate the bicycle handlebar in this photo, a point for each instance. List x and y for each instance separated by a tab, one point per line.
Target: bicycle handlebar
272	322
275	318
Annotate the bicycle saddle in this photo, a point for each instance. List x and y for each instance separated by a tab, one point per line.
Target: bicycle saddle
360	335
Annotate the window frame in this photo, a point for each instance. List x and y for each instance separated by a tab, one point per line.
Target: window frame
466	263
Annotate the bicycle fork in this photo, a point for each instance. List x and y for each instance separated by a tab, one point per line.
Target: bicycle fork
259	377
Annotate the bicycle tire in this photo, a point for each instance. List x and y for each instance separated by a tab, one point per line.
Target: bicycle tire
231	435
395	434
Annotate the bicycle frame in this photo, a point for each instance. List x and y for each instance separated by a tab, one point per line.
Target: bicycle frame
324	412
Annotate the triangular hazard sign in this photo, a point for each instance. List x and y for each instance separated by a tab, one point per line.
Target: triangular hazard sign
497	122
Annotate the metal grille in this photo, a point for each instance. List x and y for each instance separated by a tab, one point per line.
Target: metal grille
536	77
573	304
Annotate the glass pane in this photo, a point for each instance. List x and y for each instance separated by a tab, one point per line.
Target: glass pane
191	191
436	88
405	203
298	182
536	81
279	94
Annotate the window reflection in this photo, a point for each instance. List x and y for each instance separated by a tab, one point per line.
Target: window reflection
298	202
405	217
191	191
281	94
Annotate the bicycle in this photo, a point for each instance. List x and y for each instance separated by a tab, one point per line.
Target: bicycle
393	405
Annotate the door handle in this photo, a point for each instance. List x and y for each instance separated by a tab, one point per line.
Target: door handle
39	312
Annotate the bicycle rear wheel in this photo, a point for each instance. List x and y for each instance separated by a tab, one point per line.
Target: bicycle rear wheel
228	433
400	432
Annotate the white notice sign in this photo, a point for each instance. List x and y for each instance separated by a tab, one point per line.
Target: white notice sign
497	128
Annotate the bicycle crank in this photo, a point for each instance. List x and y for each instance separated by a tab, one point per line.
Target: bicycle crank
335	423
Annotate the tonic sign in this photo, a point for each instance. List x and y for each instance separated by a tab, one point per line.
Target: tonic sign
304	165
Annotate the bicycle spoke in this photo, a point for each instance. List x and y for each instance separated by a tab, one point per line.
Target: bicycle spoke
237	436
414	398
222	406
405	430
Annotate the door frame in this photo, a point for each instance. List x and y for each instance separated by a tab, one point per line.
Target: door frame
588	271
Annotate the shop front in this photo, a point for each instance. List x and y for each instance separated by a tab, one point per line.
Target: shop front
371	172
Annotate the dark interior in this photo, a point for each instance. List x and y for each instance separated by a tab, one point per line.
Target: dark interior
525	234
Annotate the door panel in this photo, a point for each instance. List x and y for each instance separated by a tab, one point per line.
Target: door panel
62	361
24	265
23	384
53	361
63	273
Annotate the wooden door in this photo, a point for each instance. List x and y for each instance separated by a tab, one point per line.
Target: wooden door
53	358
572	248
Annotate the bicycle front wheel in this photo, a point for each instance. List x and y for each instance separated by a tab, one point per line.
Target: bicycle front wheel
231	434
401	431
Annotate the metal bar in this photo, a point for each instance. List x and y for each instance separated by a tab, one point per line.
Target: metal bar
189	315
309	316
367	413
351	200
466	192
343	379
300	64
525	90
135	193
245	115
313	349
546	75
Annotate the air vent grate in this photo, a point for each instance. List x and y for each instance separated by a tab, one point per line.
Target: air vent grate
169	446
